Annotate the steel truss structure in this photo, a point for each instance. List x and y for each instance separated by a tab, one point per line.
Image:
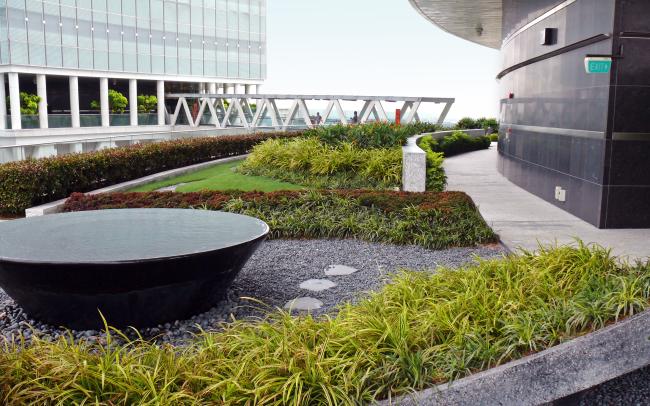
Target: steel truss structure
234	110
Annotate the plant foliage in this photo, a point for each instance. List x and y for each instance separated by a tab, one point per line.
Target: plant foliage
311	162
24	184
117	102
28	103
147	103
374	135
432	220
456	143
420	330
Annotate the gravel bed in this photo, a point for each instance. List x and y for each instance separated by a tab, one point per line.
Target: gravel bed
632	389
273	276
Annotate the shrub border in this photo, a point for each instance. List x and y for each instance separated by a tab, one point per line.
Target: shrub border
56	206
552	374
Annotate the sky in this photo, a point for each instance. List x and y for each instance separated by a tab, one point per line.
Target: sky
376	47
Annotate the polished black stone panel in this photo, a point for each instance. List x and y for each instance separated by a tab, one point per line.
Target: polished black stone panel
627	207
576	22
583	198
589	133
138	267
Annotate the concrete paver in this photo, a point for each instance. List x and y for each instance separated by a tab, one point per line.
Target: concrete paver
524	220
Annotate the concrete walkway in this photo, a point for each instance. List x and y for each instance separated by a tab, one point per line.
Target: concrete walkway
522	220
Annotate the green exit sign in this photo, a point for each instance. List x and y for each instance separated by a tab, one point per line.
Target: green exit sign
598	64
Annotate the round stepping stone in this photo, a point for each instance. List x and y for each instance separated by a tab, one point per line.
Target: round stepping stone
304	303
317	285
339	270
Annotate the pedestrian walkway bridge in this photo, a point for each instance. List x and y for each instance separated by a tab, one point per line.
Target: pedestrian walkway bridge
261	110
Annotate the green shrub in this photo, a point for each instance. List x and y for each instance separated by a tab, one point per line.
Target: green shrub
456	143
486	123
374	135
147	103
494	137
420	330
31	182
467	123
117	102
436	177
431	220
311	162
28	103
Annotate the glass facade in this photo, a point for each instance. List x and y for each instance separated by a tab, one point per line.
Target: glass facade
203	38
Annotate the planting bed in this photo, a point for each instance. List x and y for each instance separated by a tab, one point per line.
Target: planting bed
273	276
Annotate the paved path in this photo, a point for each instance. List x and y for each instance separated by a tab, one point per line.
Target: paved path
521	219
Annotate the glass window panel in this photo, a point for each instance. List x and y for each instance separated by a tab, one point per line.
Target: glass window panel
129	39
54	56
144	63
142	9
115	61
70	57
85	58
157	64
68	26
101	60
17	23
128	7
19	52
84	31
156	9
130	62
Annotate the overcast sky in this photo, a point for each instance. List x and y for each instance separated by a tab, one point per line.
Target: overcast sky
376	47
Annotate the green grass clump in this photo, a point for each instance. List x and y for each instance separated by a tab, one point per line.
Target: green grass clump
420	330
311	162
220	177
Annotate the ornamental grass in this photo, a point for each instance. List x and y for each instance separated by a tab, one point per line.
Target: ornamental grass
420	330
431	220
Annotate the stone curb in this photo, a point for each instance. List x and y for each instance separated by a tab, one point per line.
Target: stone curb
552	374
55	207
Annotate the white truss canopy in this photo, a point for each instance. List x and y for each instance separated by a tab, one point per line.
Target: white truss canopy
234	110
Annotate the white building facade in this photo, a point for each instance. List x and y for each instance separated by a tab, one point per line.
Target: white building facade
74	53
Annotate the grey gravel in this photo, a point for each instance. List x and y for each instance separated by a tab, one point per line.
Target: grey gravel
632	389
270	279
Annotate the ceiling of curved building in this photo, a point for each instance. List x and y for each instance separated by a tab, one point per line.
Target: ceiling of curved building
474	20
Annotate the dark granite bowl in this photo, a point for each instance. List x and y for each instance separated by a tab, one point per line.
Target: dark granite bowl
140	267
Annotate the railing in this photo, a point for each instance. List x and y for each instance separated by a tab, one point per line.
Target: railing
234	110
42	150
64	120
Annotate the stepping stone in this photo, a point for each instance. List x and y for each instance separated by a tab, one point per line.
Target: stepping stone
339	270
170	188
317	285
304	303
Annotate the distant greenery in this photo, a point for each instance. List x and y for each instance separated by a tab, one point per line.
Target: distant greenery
220	177
147	103
311	162
375	135
456	143
28	103
468	123
117	102
420	330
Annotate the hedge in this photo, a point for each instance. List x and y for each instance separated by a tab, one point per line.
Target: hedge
454	144
28	183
